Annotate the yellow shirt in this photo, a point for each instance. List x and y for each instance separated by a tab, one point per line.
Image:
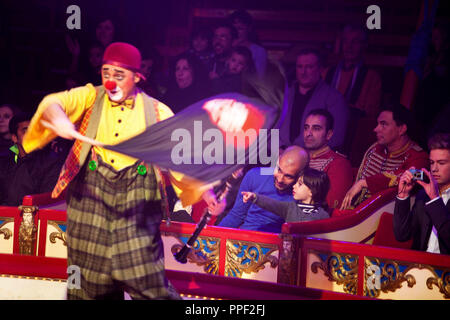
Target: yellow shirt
132	122
117	124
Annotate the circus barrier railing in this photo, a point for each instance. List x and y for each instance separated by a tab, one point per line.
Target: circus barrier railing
294	257
25	277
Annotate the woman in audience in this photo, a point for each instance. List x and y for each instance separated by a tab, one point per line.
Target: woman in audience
187	84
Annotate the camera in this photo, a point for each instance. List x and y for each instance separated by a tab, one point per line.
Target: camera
419	175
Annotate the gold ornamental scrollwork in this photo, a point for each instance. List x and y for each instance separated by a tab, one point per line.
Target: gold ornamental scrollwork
61	235
27	230
385	276
442	282
391	277
340	268
248	257
204	253
6	232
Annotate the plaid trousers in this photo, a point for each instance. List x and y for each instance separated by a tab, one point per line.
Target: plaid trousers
113	235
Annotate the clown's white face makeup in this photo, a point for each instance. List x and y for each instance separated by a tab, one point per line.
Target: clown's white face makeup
125	82
116	94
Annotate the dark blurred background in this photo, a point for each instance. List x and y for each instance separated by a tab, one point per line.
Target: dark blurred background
35	58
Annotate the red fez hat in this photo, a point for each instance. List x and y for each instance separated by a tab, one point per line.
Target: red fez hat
123	55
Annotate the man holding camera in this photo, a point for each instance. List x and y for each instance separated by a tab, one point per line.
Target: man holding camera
387	159
428	223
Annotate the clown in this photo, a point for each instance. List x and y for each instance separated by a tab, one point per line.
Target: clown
113	201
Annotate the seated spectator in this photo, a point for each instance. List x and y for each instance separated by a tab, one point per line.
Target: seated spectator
239	61
88	69
95	63
105	31
200	47
428	223
89	61
277	186
32	173
150	84
310	92
387	159
6	113
242	21
309	193
318	130
188	83
359	84
222	41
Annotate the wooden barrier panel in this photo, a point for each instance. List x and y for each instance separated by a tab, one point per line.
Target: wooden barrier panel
224	251
373	271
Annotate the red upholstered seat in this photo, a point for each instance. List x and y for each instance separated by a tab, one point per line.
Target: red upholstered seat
384	235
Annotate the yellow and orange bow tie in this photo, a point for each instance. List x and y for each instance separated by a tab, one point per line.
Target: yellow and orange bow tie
127	103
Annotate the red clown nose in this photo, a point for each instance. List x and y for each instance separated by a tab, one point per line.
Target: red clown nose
110	85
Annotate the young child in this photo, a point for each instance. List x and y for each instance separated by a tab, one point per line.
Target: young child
309	193
239	62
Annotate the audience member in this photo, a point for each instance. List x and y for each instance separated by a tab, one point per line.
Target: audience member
89	61
7	111
277	186
242	21
428	223
309	194
318	130
387	159
200	46
92	72
32	173
151	71
359	84
223	37
188	83
105	31
239	61
310	92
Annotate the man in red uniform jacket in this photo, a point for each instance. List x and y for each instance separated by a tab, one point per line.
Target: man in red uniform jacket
318	130
387	159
